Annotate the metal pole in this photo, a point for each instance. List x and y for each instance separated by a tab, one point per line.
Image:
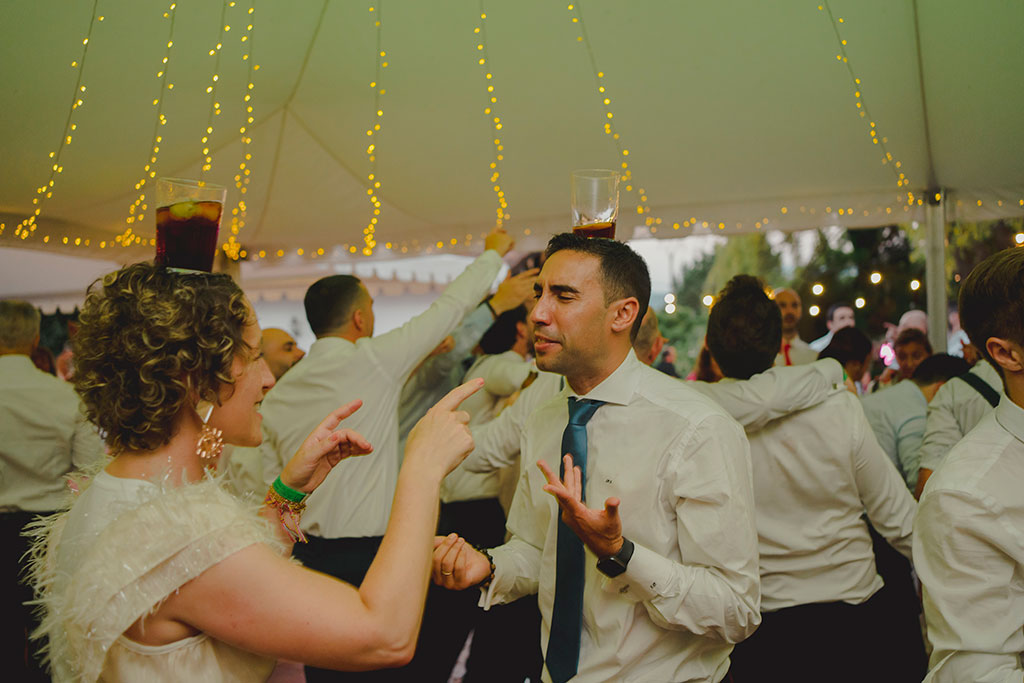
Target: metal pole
935	269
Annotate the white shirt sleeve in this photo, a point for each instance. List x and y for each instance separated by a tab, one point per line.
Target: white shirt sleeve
963	549
888	503
941	431
517	563
400	350
497	441
86	445
714	587
776	392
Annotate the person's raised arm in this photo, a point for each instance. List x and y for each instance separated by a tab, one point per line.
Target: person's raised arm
775	392
262	603
399	351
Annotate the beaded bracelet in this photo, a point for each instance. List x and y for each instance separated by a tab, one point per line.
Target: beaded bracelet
289	511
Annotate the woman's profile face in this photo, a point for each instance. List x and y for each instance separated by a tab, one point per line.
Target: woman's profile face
238	414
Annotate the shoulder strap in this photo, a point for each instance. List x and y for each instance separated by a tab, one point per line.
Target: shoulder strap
982	387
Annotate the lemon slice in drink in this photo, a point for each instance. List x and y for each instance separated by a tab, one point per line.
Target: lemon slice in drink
183	210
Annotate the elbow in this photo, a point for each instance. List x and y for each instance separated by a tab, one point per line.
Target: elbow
393	650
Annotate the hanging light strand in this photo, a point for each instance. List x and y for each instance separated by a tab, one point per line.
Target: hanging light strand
44	192
642	207
233	247
211	89
136	210
484	60
895	165
373	133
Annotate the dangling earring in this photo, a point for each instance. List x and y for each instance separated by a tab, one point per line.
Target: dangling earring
211	440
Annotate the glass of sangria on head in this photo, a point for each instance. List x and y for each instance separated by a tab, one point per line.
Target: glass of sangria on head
187	221
595	202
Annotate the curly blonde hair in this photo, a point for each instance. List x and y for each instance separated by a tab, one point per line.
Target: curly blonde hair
150	342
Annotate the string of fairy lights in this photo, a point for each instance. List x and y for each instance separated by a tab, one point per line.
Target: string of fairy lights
642	207
895	165
44	192
232	247
136	210
373	133
491	111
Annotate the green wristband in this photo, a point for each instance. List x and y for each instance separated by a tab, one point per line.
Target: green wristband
287	492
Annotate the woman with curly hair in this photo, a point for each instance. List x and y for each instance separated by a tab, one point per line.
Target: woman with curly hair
155	572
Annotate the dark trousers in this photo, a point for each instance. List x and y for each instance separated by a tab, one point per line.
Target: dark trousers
348	559
506	638
18	656
831	641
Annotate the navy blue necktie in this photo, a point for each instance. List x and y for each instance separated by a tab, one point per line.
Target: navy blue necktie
563	653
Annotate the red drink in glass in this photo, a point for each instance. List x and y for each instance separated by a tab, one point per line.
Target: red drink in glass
604	229
186	234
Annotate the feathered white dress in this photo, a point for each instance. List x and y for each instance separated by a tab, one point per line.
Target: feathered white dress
123	547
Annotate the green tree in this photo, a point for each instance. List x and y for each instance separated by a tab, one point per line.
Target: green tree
751	254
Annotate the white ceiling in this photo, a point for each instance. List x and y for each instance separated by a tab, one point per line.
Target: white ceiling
734	112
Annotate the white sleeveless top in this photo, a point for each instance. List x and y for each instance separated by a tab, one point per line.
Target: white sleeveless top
123	547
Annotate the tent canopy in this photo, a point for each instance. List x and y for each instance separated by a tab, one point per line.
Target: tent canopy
736	114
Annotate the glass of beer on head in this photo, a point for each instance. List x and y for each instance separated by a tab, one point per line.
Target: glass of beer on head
187	221
595	202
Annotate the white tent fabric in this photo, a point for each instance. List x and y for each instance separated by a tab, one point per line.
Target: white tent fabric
736	114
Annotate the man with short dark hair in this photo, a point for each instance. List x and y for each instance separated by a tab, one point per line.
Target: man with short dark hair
838	316
969	532
911	348
815	472
661	591
346	517
897	414
43	436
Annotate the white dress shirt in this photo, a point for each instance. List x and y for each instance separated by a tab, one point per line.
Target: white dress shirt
897	417
681	467
800	353
355	498
969	554
503	375
821	342
956	408
815	473
43	436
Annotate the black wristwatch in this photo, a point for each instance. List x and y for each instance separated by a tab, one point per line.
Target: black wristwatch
616	564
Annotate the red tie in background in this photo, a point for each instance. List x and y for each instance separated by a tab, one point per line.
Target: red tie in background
785	353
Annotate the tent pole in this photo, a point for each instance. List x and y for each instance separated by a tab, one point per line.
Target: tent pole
935	269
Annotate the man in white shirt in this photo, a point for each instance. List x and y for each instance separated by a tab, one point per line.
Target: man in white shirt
840	315
794	350
969	531
661	591
897	414
346	517
957	407
815	473
43	436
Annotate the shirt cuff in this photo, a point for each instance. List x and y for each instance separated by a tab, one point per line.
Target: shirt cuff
645	578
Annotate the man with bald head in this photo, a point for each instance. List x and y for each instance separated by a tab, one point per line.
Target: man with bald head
794	350
280	350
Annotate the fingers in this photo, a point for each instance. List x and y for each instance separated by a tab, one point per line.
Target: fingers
611	506
336	416
446	560
548	473
456	396
352	442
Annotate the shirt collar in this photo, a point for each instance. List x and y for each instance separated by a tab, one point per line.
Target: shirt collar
17	360
324	344
1011	417
617	387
